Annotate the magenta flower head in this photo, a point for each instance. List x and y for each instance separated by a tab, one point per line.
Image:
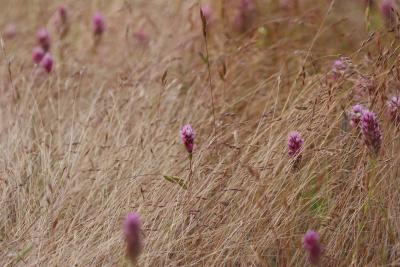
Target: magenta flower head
187	137
387	8
206	10
47	62
371	131
393	108
131	229
295	143
43	39
312	245
37	54
355	115
98	24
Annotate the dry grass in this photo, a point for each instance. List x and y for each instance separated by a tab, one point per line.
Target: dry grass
85	145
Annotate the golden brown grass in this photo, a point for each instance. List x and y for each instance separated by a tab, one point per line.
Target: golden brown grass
85	145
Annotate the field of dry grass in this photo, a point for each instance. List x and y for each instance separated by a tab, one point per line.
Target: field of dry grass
91	141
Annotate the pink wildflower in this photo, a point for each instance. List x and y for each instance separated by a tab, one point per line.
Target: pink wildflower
206	10
243	15
371	131
187	137
387	8
131	229
98	24
393	107
37	54
355	115
312	245
295	143
47	63
43	39
10	31
141	36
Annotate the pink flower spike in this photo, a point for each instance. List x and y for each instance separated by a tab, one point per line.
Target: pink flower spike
393	107
43	39
187	137
37	54
295	143
206	10
47	63
355	115
98	23
131	230
387	8
371	131
62	14
312	245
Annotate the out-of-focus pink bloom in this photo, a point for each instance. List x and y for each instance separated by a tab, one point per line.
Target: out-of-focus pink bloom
338	68
243	16
98	24
187	137
62	14
10	31
387	8
47	62
286	4
141	36
131	229
206	10
43	39
393	107
371	131
355	115
313	247
38	54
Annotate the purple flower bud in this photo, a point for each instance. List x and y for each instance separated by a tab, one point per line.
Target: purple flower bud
312	245
355	115
387	8
295	143
47	63
10	31
131	230
62	14
206	10
371	131
98	24
187	137
393	107
43	39
37	54
338	68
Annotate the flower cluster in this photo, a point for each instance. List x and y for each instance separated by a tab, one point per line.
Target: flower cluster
355	115
371	131
98	24
393	106
313	247
131	230
242	17
187	137
295	143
